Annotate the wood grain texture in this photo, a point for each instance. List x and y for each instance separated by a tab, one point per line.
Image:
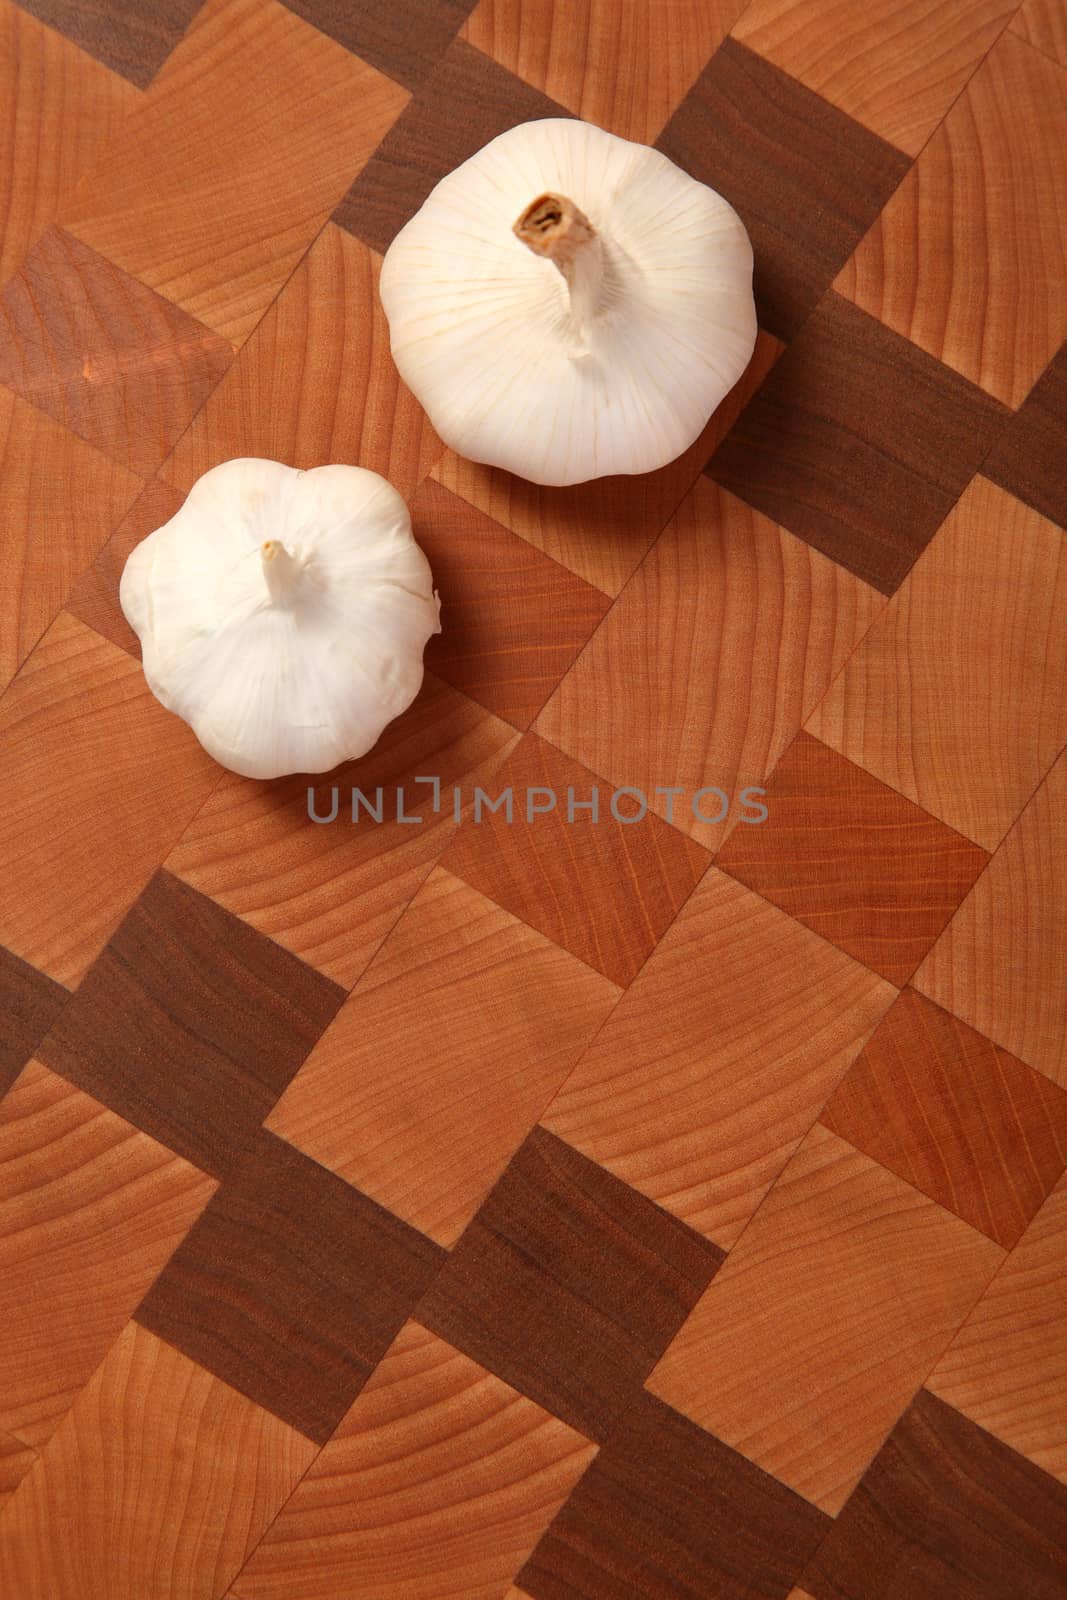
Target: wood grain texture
568	1285
190	1024
94	595
1043	24
527	1083
896	68
859	443
853	860
464	102
624	69
227	172
512	619
1001	963
316	382
955	1116
61	109
666	1504
283	1233
404	39
946	1512
844	1290
112	361
47	538
478	1045
602	530
1028	458
331	891
605	889
953	698
966	260
132	37
1006	1369
470	1477
702	1116
725	639
16	1459
90	1210
162	1479
29	1004
97	783
806	180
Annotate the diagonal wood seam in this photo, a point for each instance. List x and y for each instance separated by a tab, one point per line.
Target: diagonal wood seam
445	844
160	472
311	244
1023	39
635	1399
833	1089
934	131
267	309
648	554
1008	1254
623	1413
626	1408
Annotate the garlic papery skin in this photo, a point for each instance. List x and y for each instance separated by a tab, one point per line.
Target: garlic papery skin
283	614
567	304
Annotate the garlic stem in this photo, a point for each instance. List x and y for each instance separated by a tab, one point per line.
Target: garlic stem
281	570
555	227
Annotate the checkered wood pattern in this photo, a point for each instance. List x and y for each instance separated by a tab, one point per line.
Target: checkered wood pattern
449	1209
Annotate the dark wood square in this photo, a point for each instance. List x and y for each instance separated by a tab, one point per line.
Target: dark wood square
291	1286
132	37
190	1024
806	180
109	358
1029	458
858	442
404	38
568	1284
667	1510
512	619
29	1004
466	101
946	1512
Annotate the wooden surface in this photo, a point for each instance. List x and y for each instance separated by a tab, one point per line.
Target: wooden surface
660	1207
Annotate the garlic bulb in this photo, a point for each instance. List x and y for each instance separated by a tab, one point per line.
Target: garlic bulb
283	614
567	304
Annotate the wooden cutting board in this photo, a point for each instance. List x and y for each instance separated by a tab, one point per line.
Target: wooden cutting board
660	1204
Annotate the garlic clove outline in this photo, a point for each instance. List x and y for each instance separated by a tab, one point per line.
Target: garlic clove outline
283	614
563	354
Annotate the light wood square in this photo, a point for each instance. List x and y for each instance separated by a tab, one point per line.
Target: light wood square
824	1321
719	1057
443	1057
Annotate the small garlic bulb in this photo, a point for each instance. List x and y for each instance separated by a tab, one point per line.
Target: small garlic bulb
283	614
567	304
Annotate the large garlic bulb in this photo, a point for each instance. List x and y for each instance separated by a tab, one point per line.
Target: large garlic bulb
567	304
283	614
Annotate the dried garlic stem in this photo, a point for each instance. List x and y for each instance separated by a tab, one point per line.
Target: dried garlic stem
554	227
281	570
